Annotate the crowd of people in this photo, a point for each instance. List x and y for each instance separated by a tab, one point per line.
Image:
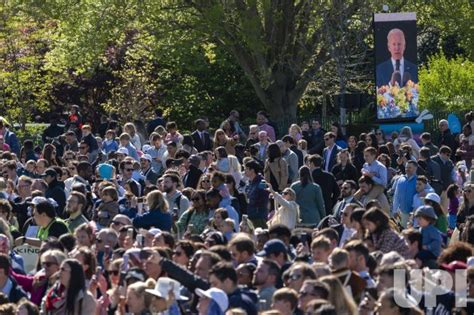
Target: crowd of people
143	219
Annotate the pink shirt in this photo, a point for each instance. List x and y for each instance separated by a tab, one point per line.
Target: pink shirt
270	131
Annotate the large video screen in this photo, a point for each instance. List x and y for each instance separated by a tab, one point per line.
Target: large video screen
396	66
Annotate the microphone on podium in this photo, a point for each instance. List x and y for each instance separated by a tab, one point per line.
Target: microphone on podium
406	77
396	77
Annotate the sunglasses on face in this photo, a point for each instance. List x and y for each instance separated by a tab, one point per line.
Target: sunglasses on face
114	272
295	277
304	293
48	264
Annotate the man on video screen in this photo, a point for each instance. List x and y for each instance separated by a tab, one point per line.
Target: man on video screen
396	69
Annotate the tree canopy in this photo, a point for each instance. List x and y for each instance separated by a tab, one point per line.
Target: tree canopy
196	57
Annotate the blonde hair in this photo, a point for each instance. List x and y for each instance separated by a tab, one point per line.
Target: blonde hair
291	192
130	129
344	151
216	139
295	126
339	297
139	289
56	254
303	144
156	200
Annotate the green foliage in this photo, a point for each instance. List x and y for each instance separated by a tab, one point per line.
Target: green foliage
25	85
447	84
31	131
203	58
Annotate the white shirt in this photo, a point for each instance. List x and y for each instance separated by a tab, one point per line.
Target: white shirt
402	64
346	234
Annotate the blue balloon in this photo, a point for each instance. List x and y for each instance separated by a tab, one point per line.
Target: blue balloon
454	123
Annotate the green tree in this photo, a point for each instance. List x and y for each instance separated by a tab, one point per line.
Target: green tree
25	86
447	84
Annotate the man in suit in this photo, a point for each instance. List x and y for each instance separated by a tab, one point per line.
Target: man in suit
191	178
315	138
330	151
348	189
158	121
397	68
202	140
326	180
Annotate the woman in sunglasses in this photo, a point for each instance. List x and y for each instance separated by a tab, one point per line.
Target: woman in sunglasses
287	210
466	208
204	182
195	219
380	135
38	284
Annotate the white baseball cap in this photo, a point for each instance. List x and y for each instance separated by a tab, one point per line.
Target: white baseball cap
122	150
146	157
433	197
217	295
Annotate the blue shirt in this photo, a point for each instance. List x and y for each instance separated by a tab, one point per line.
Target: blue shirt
380	171
431	238
258	199
156	153
109	146
405	189
154	218
8	287
132	152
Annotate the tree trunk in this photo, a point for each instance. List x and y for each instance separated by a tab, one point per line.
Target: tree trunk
282	106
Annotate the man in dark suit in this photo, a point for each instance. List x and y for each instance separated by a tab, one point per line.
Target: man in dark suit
326	180
330	151
202	140
397	68
158	121
192	176
315	138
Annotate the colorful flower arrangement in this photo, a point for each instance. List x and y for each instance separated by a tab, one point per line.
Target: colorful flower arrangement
397	102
